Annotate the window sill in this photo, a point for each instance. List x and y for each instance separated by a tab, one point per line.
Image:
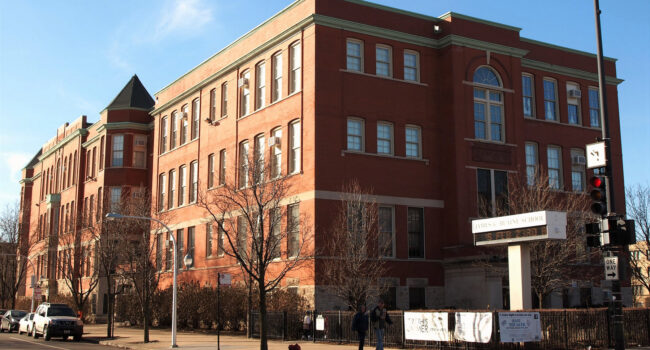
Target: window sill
383	77
344	152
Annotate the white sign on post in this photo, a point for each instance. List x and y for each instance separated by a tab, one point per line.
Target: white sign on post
611	268
225	279
37	293
596	155
516	327
320	323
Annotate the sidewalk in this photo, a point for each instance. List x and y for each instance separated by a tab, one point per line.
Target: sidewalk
131	338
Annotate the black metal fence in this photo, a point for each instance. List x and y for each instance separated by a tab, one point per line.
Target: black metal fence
561	329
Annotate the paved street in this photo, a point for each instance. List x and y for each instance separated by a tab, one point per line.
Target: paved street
15	341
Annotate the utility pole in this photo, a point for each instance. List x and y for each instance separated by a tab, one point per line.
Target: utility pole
616	302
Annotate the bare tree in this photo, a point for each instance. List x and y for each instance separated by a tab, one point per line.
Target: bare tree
638	209
554	263
354	248
12	267
248	214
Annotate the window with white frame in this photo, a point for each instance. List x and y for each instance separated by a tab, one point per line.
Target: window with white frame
116	198
140	151
258	156
208	239
594	108
294	147
224	100
163	139
245	93
573	104
174	130
384	138
222	167
184	123
578	173
196	117
213	104
293	230
413	141
528	93
415	226
260	84
194	181
492	191
550	99
162	182
355	134
411	65
573	113
531	163
386	231
276	152
117	159
554	158
243	164
295	63
182	183
383	61
172	188
211	170
221	235
276	62
354	54
242	236
488	106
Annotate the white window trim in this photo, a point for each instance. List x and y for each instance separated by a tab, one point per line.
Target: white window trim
391	138
594	88
536	165
260	85
390	59
557	102
419	129
417	64
533	110
275	58
393	239
363	134
560	170
361	58
295	152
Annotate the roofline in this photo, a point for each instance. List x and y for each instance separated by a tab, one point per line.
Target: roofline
479	20
395	10
241	38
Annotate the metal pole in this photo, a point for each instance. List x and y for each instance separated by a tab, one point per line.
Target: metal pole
34	274
218	311
619	340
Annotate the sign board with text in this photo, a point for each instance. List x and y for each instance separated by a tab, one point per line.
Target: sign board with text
535	226
516	327
596	155
611	268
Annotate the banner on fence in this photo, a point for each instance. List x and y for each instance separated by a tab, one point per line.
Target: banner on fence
474	327
432	326
320	323
518	327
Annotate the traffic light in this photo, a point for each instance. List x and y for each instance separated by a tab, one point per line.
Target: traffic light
598	195
592	231
621	232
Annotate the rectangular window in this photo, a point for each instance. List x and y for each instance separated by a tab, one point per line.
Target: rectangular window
93	169
196	117
172	141
275	215
101	158
383	61
413	142
245	93
213	104
117	159
224	100
220	239
594	108
528	95
573	113
242	232
159	250
89	169
554	167
573	103
354	52
180	249
531	163
116	197
294	147
355	134
190	242
211	170
100	202
276	151
140	151
578	170
194	178
386	232
222	167
182	183
243	164
384	138
293	230
163	136
184	123
260	85
550	100
168	253
492	186
91	203
276	61
295	62
416	298
161	192
411	65
415	217
208	239
172	188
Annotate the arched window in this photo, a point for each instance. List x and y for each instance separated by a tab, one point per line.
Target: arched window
488	106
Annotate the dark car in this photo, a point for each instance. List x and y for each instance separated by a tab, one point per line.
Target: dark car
11	319
56	320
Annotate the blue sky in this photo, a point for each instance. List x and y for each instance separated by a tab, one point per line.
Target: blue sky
62	59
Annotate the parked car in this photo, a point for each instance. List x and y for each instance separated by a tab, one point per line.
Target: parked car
26	323
10	320
56	320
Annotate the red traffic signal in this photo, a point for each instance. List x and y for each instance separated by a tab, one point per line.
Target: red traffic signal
598	195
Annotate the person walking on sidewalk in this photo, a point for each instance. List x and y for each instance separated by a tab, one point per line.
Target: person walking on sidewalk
360	324
306	326
380	320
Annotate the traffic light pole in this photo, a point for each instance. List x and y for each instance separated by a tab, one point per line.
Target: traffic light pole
609	178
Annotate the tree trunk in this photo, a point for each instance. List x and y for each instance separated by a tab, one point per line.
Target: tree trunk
540	300
146	323
109	323
263	324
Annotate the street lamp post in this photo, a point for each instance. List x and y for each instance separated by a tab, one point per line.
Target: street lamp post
112	216
34	274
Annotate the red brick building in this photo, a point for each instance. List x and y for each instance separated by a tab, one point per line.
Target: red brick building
434	113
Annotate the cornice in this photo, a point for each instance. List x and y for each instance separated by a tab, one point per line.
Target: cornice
458	40
74	134
572	72
125	125
566	49
29	180
395	10
478	20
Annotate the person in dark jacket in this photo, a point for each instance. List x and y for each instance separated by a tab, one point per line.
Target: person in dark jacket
360	324
380	320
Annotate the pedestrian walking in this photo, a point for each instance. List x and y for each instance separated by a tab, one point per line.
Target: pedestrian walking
380	320
360	325
306	325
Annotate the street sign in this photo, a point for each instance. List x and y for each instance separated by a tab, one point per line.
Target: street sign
535	226
596	155
611	268
37	293
225	279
